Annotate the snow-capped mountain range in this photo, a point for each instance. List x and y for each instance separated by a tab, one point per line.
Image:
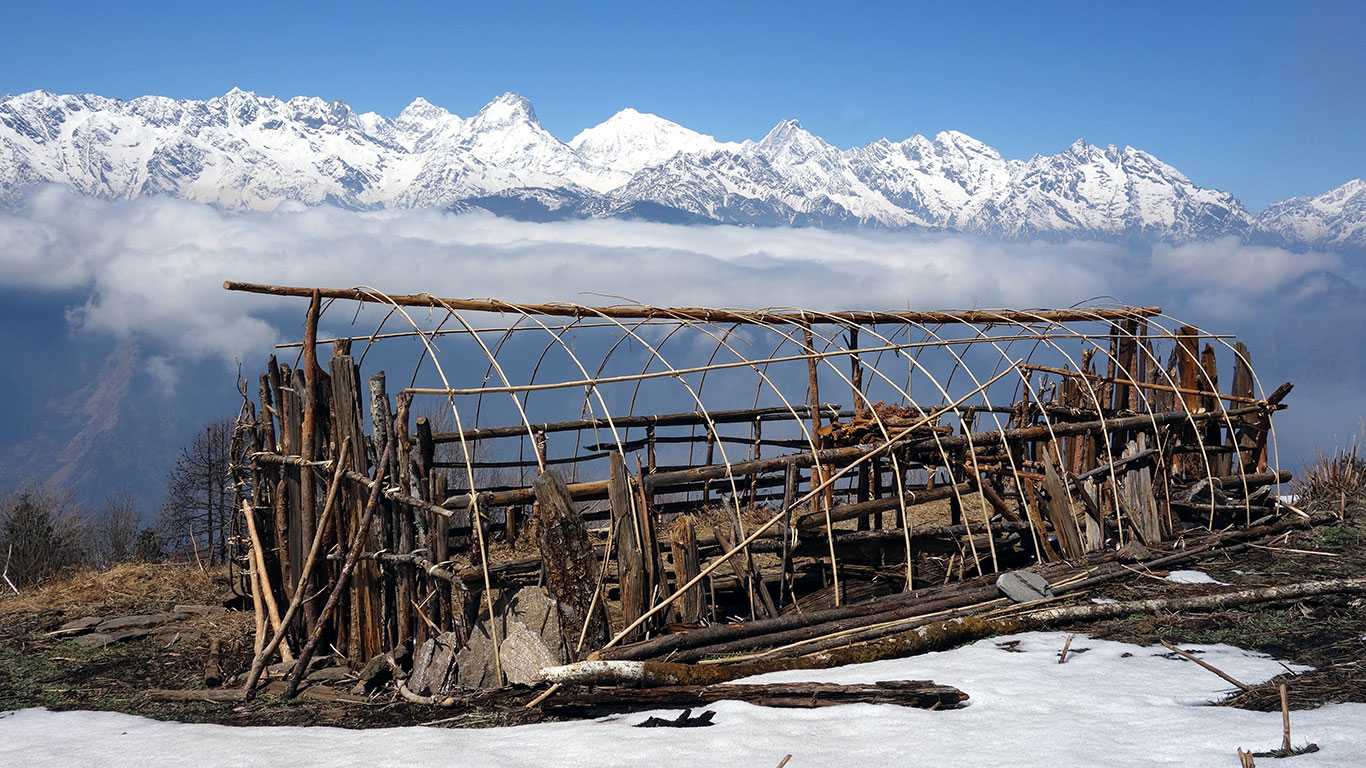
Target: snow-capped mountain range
242	150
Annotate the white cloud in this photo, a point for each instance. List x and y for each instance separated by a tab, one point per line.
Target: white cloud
153	268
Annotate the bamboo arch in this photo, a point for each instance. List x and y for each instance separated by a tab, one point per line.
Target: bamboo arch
1092	443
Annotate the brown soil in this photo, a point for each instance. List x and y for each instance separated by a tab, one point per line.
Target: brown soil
37	670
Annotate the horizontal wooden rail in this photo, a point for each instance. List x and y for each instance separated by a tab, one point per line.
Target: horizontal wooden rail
705	314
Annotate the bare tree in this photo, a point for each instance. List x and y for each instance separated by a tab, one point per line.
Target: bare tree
41	535
114	530
197	516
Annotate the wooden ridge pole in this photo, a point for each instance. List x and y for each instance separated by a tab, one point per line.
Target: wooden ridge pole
702	314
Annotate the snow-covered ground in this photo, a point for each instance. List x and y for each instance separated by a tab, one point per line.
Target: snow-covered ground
1111	704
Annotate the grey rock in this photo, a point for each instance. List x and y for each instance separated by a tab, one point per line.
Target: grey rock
529	639
1023	586
434	669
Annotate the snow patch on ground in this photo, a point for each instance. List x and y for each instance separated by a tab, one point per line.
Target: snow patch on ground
1111	704
1192	577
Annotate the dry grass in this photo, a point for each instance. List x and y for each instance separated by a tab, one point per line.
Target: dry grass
1331	479
128	587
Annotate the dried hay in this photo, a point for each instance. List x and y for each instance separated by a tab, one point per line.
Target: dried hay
127	587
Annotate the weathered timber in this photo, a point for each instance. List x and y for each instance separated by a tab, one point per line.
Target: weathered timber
683	545
263	656
631	545
569	563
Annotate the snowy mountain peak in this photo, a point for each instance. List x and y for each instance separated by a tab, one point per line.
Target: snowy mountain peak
789	143
507	109
1335	218
961	142
244	150
421	109
631	140
784	132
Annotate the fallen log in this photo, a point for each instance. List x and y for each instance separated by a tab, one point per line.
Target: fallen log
752	635
931	637
595	702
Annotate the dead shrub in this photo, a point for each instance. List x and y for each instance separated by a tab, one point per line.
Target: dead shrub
1331	480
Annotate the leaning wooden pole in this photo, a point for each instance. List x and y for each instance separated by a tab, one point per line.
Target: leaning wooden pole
352	557
263	655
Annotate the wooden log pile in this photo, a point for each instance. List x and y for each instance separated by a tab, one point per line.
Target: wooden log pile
779	533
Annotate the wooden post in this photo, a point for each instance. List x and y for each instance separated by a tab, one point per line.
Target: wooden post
650	463
1253	455
568	558
758	434
362	622
1188	362
631	540
813	400
1142	363
382	425
1220	463
856	375
291	434
406	589
1059	510
459	603
308	437
875	488
861	493
791	478
1107	389
683	544
426	539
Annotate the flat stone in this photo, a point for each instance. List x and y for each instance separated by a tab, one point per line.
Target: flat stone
329	674
434	670
76	626
140	620
102	639
1023	586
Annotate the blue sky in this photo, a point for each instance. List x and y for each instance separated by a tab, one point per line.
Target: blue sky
1264	100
